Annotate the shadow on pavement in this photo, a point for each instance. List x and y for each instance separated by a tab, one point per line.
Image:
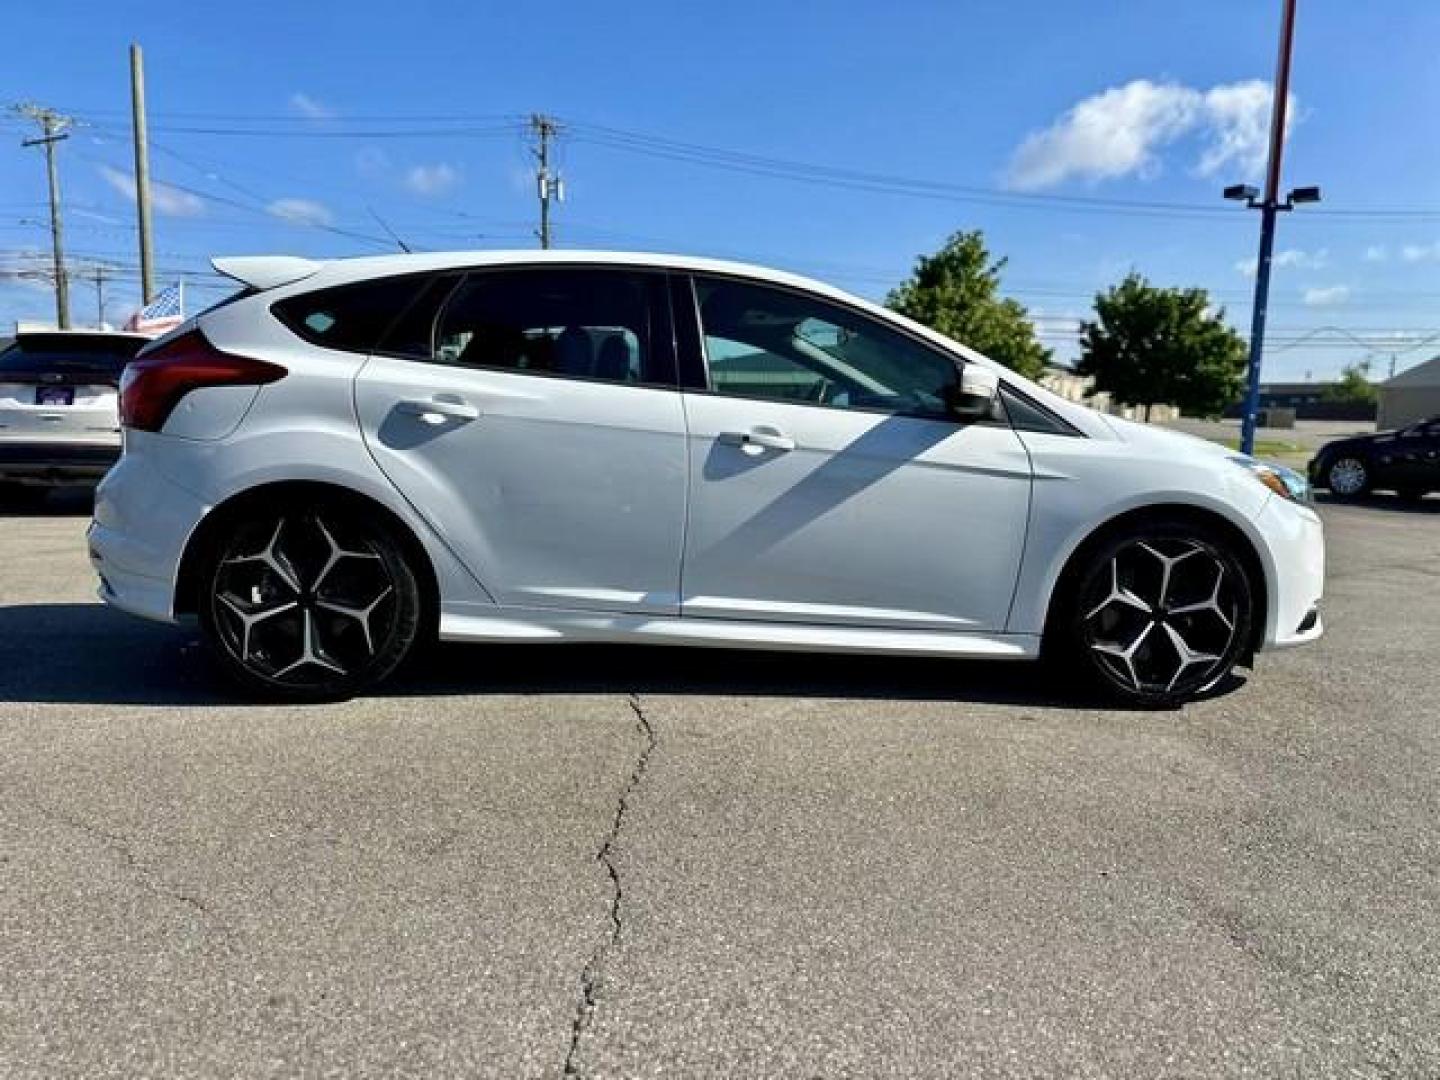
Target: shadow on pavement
89	654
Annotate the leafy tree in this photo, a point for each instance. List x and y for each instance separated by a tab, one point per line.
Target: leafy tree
1149	345
1354	385
956	291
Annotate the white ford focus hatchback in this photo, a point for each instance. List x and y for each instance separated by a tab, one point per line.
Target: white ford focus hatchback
349	457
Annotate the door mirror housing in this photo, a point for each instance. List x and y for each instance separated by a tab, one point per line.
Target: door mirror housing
974	393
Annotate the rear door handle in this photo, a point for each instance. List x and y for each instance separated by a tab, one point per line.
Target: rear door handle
761	438
437	410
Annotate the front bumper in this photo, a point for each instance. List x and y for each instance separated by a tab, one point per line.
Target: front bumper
51	462
1294	551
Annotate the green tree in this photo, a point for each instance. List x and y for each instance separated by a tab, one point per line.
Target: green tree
1149	346
957	292
1354	385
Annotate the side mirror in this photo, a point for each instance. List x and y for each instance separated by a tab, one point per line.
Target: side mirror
974	393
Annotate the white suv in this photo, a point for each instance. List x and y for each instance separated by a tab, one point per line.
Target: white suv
58	422
350	456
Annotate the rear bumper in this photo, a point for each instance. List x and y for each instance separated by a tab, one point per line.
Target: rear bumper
52	462
142	520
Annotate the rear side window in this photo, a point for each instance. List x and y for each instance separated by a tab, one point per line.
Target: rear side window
96	355
581	323
350	317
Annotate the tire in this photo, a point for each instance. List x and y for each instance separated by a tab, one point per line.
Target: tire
1159	614
307	603
1348	476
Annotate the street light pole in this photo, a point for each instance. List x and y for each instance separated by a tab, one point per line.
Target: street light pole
1269	208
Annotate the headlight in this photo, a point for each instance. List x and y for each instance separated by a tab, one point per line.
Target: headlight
1287	483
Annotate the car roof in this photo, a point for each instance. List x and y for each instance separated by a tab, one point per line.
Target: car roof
265	270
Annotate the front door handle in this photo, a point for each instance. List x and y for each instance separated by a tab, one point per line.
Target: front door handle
437	410
759	438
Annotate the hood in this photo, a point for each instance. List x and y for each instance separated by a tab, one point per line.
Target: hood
1164	442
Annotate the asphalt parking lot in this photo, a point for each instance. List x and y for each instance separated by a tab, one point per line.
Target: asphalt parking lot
638	862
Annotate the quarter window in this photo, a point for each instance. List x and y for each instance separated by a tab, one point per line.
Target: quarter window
350	317
580	324
772	343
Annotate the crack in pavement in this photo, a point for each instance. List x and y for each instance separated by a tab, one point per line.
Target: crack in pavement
593	973
152	881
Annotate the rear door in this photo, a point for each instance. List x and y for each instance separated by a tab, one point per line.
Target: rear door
63	387
535	422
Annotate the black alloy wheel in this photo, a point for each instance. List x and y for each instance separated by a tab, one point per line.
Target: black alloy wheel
309	603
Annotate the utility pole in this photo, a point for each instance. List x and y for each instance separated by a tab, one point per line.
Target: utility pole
1270	206
142	172
99	271
52	128
548	184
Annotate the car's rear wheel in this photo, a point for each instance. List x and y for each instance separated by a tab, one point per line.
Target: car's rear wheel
1348	476
308	603
1160	614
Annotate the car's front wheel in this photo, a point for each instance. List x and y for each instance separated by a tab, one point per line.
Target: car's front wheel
308	603
1160	614
1348	476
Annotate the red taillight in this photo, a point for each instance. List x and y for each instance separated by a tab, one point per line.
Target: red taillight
156	380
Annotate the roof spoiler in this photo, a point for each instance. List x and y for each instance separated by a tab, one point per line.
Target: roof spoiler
266	271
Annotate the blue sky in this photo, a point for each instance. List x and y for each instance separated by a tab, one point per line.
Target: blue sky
282	127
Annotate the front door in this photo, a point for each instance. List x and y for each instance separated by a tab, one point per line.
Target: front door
829	482
541	434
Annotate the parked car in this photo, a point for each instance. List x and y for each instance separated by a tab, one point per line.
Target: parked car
58	419
352	456
1406	462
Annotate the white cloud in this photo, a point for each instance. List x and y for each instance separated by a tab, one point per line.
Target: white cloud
1120	131
1303	260
1113	133
172	202
1420	252
1330	296
300	211
1377	253
1237	126
431	179
306	105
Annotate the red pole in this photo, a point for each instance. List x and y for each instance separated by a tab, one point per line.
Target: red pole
1281	103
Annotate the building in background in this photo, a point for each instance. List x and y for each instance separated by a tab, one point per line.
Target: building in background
1410	396
1061	380
1308	401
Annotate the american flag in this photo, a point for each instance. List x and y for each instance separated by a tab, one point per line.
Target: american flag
165	312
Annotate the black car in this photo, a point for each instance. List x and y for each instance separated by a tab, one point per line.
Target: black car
1406	462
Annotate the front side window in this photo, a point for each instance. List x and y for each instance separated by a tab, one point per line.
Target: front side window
573	323
771	343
